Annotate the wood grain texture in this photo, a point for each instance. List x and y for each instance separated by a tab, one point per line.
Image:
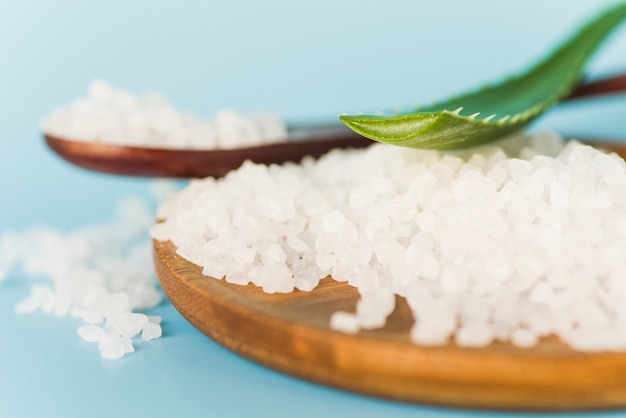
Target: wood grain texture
290	333
609	85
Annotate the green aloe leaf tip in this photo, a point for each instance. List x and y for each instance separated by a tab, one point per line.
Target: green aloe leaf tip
498	109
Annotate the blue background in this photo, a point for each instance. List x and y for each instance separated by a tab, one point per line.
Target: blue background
308	61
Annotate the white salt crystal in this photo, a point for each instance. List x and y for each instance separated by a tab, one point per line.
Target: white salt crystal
276	278
344	322
127	343
128	324
519	168
240	277
475	334
40	294
214	268
558	196
151	331
402	209
498	175
524	338
91	333
425	333
387	249
114	303
374	307
112	349
297	244
422	262
454	279
27	305
426	220
361	197
325	261
602	201
270	127
244	255
274	254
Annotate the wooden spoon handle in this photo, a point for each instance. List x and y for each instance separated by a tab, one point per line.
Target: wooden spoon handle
609	85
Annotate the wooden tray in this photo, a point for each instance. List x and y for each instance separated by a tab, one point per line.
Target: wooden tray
290	333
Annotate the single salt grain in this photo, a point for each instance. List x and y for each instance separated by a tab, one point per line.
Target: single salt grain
428	334
129	324
274	254
244	256
519	168
558	196
475	334
112	349
524	338
40	295
151	331
27	305
344	322
454	279
325	261
91	333
127	344
602	201
297	244
426	220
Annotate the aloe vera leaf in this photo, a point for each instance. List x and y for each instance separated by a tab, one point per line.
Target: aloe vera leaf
498	109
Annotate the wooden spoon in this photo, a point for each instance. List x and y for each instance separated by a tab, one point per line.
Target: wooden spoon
186	163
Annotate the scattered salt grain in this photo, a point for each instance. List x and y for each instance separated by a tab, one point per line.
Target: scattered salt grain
91	333
114	116
129	324
511	242
151	331
101	274
112	348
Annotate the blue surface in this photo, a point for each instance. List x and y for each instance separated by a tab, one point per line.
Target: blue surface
306	61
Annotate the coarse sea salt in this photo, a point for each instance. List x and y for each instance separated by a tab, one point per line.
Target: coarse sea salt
512	241
115	116
102	274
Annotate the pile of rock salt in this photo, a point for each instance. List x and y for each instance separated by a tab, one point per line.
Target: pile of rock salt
114	116
512	241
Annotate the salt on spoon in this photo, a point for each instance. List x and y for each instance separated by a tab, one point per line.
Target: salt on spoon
115	132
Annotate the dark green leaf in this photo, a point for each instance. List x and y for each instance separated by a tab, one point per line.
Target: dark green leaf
496	110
